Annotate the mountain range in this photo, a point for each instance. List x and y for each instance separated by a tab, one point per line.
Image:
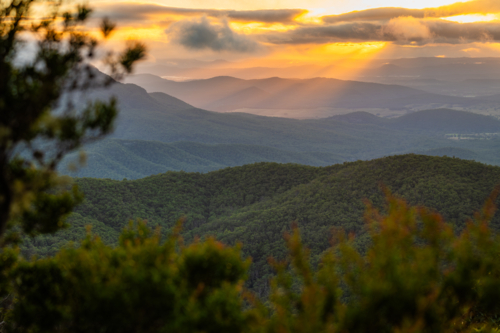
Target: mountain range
156	132
228	94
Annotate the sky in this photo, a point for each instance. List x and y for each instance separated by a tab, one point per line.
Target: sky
279	32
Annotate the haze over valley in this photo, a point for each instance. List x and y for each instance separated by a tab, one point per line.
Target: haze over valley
459	84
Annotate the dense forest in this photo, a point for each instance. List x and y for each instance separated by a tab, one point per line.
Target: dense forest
255	204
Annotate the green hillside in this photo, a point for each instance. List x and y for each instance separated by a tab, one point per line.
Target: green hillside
256	203
465	154
440	121
133	159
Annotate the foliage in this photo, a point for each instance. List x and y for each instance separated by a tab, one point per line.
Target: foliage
39	122
416	276
44	66
141	285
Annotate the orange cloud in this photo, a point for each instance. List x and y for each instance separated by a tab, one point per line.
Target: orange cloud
471	49
401	30
239	32
407	28
201	34
134	12
388	13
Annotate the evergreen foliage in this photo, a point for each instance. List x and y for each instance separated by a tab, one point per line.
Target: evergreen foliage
39	122
141	285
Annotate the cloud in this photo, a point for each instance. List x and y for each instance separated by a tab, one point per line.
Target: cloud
402	30
126	11
407	29
375	14
201	34
463	8
471	49
265	16
457	33
388	13
327	34
208	29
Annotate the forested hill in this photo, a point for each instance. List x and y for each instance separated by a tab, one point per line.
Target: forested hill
428	121
256	203
133	159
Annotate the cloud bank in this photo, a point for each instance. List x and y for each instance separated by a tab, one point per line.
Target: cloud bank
199	34
388	13
139	12
401	30
212	29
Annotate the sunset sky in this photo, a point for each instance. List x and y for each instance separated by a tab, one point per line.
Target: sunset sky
267	32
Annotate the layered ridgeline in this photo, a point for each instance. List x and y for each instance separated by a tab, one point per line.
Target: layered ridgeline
212	140
448	76
255	204
224	93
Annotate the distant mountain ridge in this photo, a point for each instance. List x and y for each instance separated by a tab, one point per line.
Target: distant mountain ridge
281	93
160	122
225	93
435	121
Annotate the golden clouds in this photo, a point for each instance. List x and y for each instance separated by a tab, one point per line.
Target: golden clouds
141	12
268	30
407	28
470	18
388	13
199	34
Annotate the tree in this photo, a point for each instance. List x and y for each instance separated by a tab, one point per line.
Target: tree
142	285
416	276
39	121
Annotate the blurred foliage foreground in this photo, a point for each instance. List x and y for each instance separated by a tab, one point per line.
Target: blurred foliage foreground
417	275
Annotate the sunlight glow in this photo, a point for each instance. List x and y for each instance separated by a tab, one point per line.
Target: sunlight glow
324	6
354	49
154	27
256	27
470	18
142	34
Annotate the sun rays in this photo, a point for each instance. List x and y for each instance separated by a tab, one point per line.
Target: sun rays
258	33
